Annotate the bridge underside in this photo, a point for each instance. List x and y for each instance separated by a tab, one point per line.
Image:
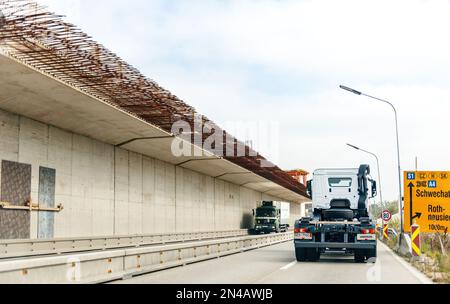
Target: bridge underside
113	172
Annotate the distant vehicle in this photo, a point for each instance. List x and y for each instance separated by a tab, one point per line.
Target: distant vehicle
340	219
269	218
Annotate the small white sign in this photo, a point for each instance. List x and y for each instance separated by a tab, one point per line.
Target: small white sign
366	237
303	236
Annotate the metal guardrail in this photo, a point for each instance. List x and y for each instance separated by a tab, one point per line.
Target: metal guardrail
110	265
27	248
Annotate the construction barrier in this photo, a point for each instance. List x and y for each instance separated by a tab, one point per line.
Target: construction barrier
415	241
386	232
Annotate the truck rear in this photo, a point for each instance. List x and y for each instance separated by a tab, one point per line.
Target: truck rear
340	219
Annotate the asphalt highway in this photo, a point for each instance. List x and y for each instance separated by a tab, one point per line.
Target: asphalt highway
277	265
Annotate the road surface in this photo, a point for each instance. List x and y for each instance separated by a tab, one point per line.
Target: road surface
277	265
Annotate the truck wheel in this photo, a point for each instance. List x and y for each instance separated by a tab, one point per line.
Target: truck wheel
300	254
313	255
360	256
371	255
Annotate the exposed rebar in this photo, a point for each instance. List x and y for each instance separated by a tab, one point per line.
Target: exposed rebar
41	39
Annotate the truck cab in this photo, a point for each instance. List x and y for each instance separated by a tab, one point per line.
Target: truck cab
340	220
334	190
268	219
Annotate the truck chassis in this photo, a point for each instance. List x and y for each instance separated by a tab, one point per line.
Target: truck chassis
312	238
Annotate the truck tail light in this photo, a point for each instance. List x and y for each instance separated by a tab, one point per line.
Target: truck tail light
300	230
368	231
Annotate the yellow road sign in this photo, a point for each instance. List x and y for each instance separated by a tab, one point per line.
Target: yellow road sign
427	201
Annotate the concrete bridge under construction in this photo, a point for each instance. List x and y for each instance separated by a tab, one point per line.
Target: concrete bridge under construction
91	191
86	149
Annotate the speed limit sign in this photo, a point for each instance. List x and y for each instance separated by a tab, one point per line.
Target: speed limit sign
386	215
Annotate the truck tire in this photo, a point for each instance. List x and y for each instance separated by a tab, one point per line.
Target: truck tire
360	256
371	255
313	254
300	254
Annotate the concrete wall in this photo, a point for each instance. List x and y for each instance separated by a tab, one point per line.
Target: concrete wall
107	190
295	213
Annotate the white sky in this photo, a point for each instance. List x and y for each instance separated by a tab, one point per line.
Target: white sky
282	61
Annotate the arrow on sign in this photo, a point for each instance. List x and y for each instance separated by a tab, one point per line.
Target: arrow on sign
411	186
418	215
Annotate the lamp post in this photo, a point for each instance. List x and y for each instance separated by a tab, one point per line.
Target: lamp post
398	152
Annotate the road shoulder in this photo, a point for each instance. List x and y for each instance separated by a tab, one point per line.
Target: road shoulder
413	270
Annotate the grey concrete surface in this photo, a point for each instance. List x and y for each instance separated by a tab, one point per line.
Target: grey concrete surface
139	188
277	265
112	191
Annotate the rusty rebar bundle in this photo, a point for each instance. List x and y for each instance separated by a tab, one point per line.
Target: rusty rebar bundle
42	40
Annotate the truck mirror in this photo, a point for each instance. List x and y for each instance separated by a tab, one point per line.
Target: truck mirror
309	188
253	212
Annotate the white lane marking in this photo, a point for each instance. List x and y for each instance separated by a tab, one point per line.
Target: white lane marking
288	266
415	272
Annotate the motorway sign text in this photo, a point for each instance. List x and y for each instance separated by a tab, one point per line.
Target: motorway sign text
427	200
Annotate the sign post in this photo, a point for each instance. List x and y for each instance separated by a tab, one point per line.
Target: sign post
427	201
386	216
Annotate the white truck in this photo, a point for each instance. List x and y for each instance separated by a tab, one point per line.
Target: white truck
340	219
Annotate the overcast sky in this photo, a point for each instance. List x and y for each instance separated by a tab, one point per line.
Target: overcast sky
282	62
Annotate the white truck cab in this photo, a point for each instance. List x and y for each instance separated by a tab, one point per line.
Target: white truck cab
334	184
342	188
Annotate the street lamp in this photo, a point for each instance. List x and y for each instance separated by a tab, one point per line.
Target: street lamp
398	153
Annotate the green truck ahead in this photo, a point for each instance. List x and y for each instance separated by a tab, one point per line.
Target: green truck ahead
270	218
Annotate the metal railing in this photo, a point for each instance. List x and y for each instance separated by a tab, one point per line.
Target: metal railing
110	265
27	248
